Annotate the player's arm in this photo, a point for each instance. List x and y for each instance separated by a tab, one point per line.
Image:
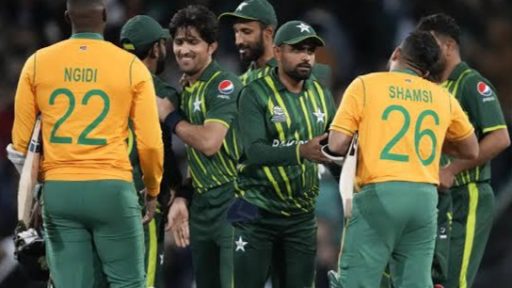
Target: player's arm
347	118
206	138
460	141
25	108
147	130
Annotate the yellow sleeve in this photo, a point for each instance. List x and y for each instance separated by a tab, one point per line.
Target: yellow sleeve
146	126
348	116
459	127
25	107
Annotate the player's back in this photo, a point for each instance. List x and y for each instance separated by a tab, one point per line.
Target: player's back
404	120
85	91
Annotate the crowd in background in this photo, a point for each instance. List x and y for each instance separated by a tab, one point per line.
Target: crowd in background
360	35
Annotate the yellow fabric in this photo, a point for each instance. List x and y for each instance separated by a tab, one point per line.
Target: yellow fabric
378	106
152	254
470	234
54	82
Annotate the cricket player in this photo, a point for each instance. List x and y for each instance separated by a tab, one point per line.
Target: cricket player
86	91
402	121
467	181
144	37
205	121
254	23
283	117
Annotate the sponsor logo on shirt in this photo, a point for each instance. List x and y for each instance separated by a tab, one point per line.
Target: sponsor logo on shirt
278	115
226	87
279	143
483	89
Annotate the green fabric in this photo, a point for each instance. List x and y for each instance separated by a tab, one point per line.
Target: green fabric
391	222
442	248
211	238
86	221
154	234
213	97
257	10
141	30
484	112
86	35
480	225
273	123
293	32
287	245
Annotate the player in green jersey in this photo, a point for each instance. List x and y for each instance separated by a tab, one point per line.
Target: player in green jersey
468	182
254	23
144	37
205	122
283	117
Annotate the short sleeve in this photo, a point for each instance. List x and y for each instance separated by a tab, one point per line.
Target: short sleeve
348	116
222	98
459	127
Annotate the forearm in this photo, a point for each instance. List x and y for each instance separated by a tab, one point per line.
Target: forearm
199	137
263	154
489	147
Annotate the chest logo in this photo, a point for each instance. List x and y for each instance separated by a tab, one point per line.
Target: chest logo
278	115
484	89
319	116
197	105
226	87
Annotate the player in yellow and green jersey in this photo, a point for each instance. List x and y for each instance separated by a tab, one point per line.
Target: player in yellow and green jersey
254	23
86	91
467	183
205	121
402	121
144	37
283	117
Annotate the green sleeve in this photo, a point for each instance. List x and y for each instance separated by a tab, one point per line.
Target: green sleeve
480	101
331	106
257	145
165	90
221	99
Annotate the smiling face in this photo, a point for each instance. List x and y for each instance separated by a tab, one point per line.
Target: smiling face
192	52
296	60
249	40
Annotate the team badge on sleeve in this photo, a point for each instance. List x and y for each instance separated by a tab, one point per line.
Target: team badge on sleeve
484	89
226	87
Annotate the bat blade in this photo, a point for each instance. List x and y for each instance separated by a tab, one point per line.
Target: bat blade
28	176
347	177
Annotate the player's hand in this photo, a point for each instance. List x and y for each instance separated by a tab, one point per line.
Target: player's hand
177	221
446	178
312	150
151	203
165	107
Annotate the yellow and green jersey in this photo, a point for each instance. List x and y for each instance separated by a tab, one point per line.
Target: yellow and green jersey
402	121
273	123
86	90
213	98
478	99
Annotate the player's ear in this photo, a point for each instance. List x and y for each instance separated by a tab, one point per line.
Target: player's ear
277	52
66	17
154	51
212	48
396	54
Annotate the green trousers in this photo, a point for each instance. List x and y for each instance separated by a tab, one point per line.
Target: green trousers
395	223
473	212
277	245
93	228
444	228
211	238
154	251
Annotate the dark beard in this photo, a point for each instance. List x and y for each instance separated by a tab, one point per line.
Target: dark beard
160	66
299	75
255	52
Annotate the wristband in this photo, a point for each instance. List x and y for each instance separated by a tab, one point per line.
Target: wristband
172	120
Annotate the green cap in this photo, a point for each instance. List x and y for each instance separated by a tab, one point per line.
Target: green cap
141	30
293	32
257	10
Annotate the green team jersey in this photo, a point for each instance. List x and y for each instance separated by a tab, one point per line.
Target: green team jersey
478	98
321	72
171	177
273	123
213	98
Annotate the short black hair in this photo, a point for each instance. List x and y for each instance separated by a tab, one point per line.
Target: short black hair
199	17
421	51
440	23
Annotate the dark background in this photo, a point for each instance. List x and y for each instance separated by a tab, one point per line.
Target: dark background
360	36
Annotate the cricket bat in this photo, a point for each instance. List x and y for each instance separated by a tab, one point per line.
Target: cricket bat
28	176
347	177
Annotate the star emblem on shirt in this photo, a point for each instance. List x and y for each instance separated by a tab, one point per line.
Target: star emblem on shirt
319	116
240	244
197	105
303	27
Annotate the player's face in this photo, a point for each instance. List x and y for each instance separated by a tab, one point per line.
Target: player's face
249	40
444	46
191	51
296	60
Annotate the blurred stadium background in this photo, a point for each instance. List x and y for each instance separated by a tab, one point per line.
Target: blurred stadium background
360	36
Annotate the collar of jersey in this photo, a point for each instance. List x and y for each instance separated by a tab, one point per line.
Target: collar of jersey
87	35
209	71
406	71
459	69
280	86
